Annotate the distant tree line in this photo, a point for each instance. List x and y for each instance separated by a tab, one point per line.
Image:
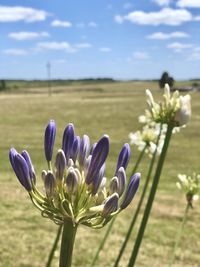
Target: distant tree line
3	85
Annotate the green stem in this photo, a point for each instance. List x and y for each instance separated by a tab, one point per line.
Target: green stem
113	220
139	160
49	165
139	204
178	237
54	247
151	197
67	244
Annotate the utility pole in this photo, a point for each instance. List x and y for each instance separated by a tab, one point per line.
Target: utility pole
49	77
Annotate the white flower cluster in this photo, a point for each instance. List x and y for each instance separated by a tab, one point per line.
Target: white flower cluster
147	137
190	185
174	109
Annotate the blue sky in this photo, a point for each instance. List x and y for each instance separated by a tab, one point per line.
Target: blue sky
99	38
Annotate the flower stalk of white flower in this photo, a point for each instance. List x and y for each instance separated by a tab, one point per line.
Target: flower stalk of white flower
151	197
190	185
165	112
135	216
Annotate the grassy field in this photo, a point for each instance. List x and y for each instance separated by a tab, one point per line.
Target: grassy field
113	108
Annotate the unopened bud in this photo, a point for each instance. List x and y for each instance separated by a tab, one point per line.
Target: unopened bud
50	184
60	164
114	185
111	205
71	182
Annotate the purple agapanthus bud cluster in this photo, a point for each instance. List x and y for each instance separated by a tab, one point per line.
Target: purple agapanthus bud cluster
75	188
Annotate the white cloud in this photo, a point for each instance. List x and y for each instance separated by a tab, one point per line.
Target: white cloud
119	19
166	36
82	25
140	55
56	46
162	2
189	3
127	5
15	52
166	16
20	36
83	45
178	47
18	13
61	23
105	49
92	24
64	46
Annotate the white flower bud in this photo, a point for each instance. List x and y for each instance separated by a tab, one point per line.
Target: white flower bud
183	114
150	99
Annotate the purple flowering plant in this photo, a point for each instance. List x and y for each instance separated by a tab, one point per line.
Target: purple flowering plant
75	186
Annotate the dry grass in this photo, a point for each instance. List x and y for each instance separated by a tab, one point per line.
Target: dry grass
25	237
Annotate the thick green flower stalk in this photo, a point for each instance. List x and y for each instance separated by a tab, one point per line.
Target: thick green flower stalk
141	200
75	187
190	185
175	111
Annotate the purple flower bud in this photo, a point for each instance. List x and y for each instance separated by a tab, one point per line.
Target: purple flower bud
50	184
99	156
97	180
92	148
75	148
27	158
124	157
20	168
68	140
121	175
84	149
72	181
12	154
111	205
49	139
131	190
114	185
60	164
